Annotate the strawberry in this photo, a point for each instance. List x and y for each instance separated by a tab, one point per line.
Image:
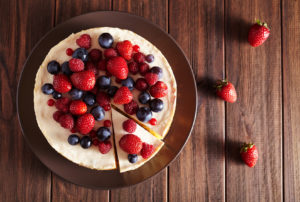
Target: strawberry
90	66
129	126
123	95
125	49
131	144
102	99
101	65
57	115
85	123
104	147
147	150
61	83
249	154
76	65
84	41
226	91
158	90
63	104
84	80
66	121
110	52
78	107
117	66
131	108
95	55
258	33
151	78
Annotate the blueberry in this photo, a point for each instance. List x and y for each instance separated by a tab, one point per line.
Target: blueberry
65	69
149	58
53	67
73	139
81	53
144	114
111	91
86	142
89	99
105	40
132	158
157	70
156	105
103	82
47	89
129	82
144	97
76	94
56	95
98	113
103	133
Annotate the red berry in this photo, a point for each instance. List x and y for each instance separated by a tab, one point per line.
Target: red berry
57	115
131	144
61	83
73	130
93	134
125	49
226	91
136	48
107	107
153	121
151	78
94	90
110	52
63	104
76	65
118	80
117	66
104	147
141	84
69	51
84	80
95	55
249	154
123	95
160	89
143	68
90	66
85	123
84	41
78	107
66	121
147	150
133	67
139	57
96	142
131	108
258	33
102	99
108	74
50	102
101	65
107	123
129	126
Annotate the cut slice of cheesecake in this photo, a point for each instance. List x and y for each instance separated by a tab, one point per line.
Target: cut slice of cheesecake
144	135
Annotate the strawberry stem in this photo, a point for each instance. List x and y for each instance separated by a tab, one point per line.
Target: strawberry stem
246	147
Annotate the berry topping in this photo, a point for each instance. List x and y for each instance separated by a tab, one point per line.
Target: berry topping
86	142
84	41
107	123
102	99
129	126
47	89
50	102
76	94
111	91
117	66
149	58
96	142
53	67
103	133
109	53
66	121
105	40
93	134
104	147
78	107
81	54
69	51
90	66
143	68
84	80
57	115
156	105
139	57
103	82
98	113
89	99
73	139
144	97
63	104
147	150
141	84
144	114
73	130
125	49
131	108
101	65
107	107
61	83
56	95
136	48
157	70
151	78
95	55
153	121
132	158
129	83
123	95
66	69
133	68
85	123
76	65
131	144
118	80
160	89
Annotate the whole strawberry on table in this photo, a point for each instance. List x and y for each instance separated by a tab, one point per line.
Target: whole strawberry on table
249	154
226	91
258	33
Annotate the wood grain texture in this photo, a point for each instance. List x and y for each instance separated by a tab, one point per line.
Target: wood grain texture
291	89
20	30
154	189
198	173
62	190
256	116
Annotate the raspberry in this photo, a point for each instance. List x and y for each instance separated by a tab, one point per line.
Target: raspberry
147	150
85	123
143	68
139	57
69	51
95	55
104	147
76	65
133	68
73	130
90	66
131	108
107	107
107	123
108	74
125	49
160	89
136	48
123	95
66	121
63	104
84	41
50	102
92	134
131	144
129	126
61	83
109	53
57	115
141	84
96	142
151	78
78	107
101	65
153	121
102	99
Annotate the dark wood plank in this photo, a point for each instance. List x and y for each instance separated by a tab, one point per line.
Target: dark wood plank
62	190
198	173
256	116
291	89
154	189
22	175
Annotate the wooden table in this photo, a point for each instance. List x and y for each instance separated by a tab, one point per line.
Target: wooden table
213	35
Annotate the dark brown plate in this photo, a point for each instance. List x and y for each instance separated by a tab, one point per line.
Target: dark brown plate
179	131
